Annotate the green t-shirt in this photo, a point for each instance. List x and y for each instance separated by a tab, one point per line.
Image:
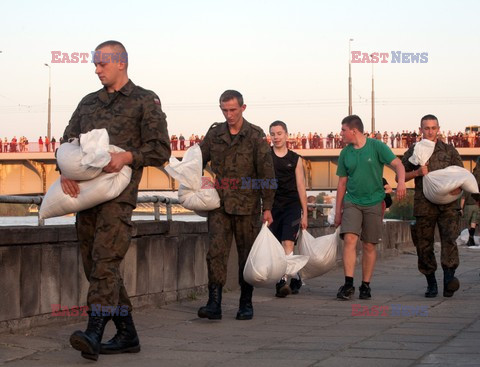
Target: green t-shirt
364	169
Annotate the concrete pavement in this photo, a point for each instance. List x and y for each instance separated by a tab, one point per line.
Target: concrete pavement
308	329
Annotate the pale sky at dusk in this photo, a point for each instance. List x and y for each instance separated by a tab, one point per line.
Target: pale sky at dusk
288	58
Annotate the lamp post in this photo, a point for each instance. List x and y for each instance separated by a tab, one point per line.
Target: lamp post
350	110
49	123
373	99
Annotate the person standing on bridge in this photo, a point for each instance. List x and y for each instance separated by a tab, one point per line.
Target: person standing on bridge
428	215
238	154
360	195
135	122
290	204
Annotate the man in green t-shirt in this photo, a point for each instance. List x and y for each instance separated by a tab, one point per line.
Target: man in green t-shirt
360	194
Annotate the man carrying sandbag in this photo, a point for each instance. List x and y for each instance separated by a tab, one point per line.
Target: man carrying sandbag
241	160
136	123
428	214
360	194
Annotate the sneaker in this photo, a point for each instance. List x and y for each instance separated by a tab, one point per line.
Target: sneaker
364	291
345	292
283	289
295	284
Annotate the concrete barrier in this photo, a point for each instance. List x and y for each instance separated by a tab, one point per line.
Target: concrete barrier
41	267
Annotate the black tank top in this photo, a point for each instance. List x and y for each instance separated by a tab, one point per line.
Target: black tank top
286	194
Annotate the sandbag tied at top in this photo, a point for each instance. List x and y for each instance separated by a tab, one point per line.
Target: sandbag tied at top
191	193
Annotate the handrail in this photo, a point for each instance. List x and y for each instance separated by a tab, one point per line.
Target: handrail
155	199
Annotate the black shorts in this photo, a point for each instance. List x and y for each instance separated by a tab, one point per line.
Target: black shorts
286	222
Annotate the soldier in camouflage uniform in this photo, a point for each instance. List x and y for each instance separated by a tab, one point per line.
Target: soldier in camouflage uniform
428	215
470	210
238	155
136	123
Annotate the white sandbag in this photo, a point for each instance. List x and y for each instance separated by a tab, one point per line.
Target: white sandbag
95	148
191	193
295	263
322	253
422	151
462	239
69	160
438	184
266	262
105	187
331	213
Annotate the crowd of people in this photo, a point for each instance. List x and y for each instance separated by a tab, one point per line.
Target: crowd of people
23	145
404	139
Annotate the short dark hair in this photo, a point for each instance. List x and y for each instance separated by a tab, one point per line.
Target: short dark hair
279	123
353	122
428	117
232	94
118	46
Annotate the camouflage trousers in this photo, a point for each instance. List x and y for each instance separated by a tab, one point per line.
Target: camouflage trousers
423	237
104	232
221	229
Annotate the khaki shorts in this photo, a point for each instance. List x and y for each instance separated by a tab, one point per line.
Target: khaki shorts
471	213
364	221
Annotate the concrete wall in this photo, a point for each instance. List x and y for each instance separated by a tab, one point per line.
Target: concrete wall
41	266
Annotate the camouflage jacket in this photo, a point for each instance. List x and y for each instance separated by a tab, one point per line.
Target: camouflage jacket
244	167
468	197
134	121
443	156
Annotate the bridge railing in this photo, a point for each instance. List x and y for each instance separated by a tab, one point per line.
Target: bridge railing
157	200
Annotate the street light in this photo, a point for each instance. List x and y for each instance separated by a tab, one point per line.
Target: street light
350	110
49	123
373	99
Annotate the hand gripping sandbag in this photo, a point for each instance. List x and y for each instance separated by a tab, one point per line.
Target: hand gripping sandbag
422	151
104	187
322	252
69	160
266	262
188	172
438	184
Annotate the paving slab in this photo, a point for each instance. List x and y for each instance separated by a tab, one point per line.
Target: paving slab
308	329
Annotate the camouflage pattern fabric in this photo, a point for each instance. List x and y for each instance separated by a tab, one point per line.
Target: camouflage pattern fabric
428	215
443	156
221	229
424	228
245	157
134	121
104	233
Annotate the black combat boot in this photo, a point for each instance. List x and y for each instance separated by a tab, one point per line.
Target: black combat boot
432	288
245	310
450	283
125	340
213	309
88	342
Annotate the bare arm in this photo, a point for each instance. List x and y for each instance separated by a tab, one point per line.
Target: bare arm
341	190
400	170
302	192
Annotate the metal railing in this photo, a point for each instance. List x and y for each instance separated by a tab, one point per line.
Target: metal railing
157	200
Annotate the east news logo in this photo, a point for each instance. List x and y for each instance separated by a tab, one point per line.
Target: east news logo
394	57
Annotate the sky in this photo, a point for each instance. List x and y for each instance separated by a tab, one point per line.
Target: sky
288	58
